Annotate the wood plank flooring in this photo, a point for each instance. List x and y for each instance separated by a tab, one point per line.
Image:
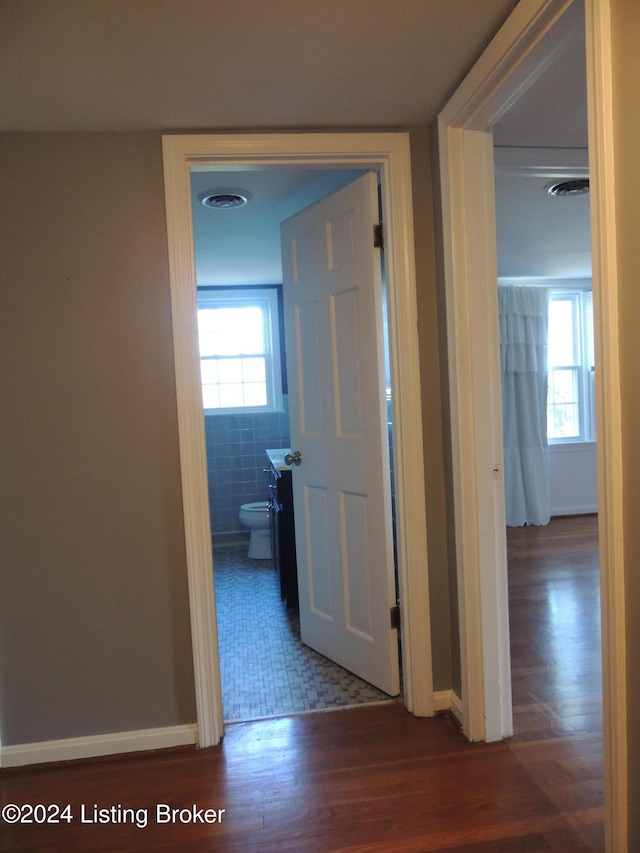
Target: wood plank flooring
554	598
373	778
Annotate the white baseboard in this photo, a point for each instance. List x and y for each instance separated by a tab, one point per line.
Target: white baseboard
94	746
456	707
442	700
590	509
448	700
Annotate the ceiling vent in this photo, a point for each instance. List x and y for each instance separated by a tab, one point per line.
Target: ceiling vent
226	199
574	186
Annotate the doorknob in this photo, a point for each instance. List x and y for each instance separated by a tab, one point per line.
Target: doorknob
294	458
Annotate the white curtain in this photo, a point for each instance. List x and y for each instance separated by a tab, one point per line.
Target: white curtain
524	313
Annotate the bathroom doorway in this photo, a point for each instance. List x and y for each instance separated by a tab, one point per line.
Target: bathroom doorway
390	154
265	668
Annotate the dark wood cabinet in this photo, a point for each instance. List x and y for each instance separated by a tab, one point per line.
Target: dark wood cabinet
283	537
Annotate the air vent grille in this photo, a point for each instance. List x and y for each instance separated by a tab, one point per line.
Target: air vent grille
224	199
575	186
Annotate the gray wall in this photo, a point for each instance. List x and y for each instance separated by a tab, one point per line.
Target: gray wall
94	622
443	473
444	618
573	478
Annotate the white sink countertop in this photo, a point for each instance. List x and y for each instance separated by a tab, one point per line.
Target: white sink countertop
276	457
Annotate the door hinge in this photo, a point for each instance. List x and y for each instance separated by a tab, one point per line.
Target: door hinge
395	617
378	236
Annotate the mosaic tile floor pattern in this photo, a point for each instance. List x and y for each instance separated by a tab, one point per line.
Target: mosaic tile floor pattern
265	669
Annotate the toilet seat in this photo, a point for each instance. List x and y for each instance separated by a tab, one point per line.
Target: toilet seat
257	506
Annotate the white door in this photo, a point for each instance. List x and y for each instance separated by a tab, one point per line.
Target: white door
342	496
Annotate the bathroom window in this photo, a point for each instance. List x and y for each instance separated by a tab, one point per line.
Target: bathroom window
571	396
240	349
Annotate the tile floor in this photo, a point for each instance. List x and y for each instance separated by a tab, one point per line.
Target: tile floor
266	671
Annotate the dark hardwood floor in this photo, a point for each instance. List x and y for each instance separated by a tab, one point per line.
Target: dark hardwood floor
554	596
376	778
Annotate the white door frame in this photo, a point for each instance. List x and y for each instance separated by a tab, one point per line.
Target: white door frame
516	56
388	152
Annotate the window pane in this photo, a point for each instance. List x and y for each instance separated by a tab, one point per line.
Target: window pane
209	370
231	396
563	417
588	322
210	397
255	394
231	331
207	326
563	386
230	370
562	343
565	421
254	370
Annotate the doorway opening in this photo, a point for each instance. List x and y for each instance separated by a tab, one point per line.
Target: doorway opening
513	60
266	669
387	153
544	267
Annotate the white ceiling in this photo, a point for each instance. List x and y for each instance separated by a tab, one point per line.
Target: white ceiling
552	113
96	65
540	236
230	64
242	245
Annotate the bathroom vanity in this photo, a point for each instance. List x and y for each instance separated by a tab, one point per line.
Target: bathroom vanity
283	537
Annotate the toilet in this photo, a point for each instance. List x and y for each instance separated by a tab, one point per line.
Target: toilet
255	516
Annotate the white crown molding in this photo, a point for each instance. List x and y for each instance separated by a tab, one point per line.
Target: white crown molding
581	283
528	162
